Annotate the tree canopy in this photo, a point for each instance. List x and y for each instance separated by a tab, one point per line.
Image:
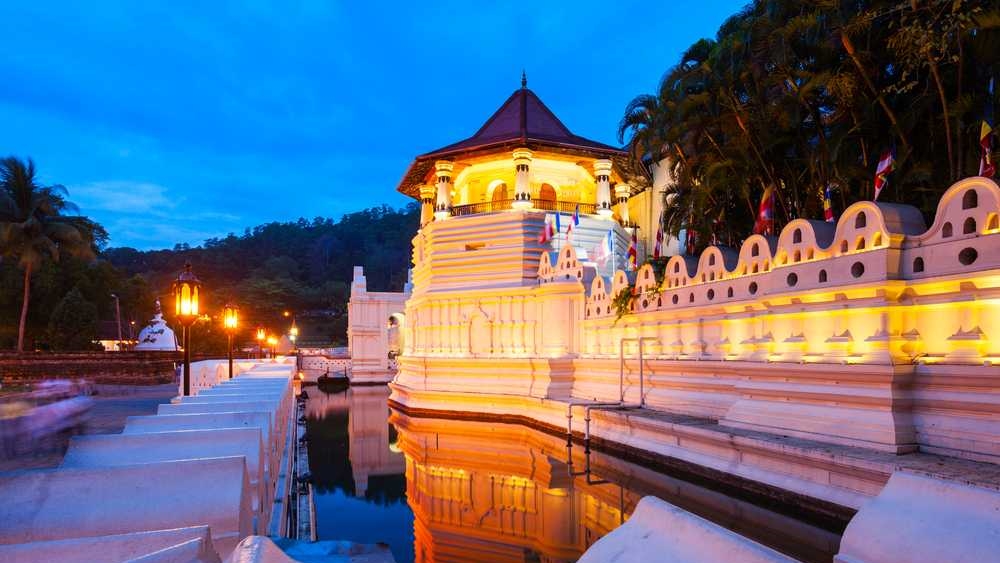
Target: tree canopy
801	96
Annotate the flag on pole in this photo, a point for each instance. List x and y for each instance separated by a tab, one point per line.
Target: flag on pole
633	250
575	221
764	225
885	166
987	167
827	205
658	246
547	233
603	249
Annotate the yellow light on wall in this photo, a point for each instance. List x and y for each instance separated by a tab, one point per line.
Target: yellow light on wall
294	331
271	341
230	317
187	289
261	334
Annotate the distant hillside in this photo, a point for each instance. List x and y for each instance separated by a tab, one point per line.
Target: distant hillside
304	267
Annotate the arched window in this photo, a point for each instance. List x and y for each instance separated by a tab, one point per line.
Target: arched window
970	200
946	230
797	236
843	247
969	226
754	250
499	192
822	276
861	221
547	193
918	265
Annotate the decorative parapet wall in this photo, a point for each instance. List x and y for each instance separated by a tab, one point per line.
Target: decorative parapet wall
874	331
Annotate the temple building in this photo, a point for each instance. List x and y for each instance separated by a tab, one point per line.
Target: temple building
871	341
522	168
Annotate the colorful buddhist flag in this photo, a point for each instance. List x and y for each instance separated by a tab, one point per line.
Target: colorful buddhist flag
987	167
548	233
764	225
885	166
574	222
603	249
827	205
658	245
633	250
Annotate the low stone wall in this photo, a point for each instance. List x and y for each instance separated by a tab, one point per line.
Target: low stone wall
123	368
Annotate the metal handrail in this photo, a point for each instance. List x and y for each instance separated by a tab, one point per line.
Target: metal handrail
537	204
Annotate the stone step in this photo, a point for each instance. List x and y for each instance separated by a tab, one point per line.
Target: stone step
114	548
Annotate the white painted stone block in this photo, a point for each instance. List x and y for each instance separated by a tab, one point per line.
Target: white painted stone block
191	551
66	503
924	520
127	449
112	549
659	531
261	549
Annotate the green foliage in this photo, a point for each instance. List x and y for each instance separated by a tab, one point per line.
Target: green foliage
38	225
304	267
622	302
801	95
73	323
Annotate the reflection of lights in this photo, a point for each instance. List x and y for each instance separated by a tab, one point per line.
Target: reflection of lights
394	447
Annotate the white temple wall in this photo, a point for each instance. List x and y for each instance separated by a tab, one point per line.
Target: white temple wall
368	330
827	331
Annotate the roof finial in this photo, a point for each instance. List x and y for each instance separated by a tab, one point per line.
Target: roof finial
524	79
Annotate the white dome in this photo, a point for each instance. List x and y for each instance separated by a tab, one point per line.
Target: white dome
157	336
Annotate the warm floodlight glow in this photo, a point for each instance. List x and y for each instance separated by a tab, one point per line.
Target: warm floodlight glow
230	317
271	341
187	289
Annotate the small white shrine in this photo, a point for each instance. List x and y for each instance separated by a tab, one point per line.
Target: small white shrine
157	336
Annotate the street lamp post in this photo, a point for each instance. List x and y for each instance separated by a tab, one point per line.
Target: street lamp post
230	320
118	319
261	337
187	289
272	342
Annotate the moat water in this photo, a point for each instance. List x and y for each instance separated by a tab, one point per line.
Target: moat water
439	490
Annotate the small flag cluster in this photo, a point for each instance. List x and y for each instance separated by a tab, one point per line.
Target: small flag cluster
553	226
764	225
987	167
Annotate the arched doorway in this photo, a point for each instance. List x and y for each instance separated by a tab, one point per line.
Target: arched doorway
547	193
499	192
394	334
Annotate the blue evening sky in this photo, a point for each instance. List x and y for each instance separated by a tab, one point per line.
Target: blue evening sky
177	121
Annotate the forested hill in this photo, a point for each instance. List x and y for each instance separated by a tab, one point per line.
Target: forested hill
303	266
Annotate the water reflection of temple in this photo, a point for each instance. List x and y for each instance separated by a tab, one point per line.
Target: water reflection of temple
365	456
491	492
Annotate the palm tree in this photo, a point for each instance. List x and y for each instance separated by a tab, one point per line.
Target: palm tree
34	226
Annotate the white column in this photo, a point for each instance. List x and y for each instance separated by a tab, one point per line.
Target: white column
442	209
622	192
427	194
522	182
602	171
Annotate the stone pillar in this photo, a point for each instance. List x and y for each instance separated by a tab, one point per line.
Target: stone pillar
522	182
602	172
622	192
427	194
442	209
